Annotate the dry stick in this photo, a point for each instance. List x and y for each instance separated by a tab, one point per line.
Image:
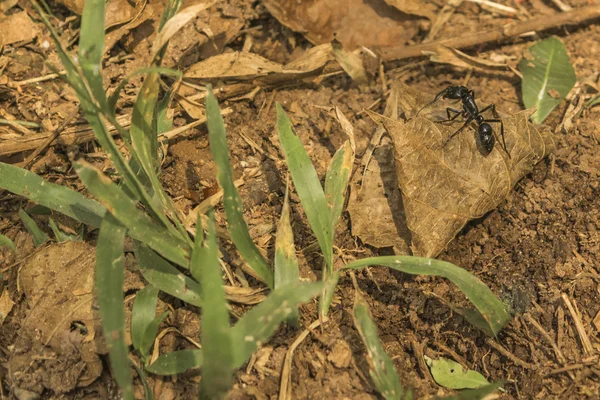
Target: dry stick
588	349
510	355
515	29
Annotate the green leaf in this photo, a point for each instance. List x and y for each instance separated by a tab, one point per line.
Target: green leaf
286	263
144	138
307	185
148	395
547	77
110	267
491	309
58	198
142	315
452	375
62	236
126	211
6	242
166	277
475	394
91	46
381	367
176	362
258	324
39	237
232	201
150	335
216	338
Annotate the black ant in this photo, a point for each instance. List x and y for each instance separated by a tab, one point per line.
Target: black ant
485	139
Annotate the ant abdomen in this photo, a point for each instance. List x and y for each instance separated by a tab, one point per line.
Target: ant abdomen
484	139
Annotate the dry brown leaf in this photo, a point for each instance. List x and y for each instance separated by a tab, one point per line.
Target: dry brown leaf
353	23
415	7
17	28
237	66
351	63
445	187
131	19
117	11
449	55
6	305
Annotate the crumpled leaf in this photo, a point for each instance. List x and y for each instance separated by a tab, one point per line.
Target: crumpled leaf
353	23
17	28
445	187
449	55
415	7
243	66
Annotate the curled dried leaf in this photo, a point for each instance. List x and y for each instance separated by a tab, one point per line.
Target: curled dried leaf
445	186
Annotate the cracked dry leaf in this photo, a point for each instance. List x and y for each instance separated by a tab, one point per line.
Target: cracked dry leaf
445	187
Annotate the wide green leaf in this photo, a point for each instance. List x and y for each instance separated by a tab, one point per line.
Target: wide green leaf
232	201
126	211
110	273
216	337
286	262
176	362
166	277
142	315
381	367
450	374
307	185
39	236
547	77
492	309
258	324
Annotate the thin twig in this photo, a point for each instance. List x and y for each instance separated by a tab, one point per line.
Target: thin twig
510	355
588	349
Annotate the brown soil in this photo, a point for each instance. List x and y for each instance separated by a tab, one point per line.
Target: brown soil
540	247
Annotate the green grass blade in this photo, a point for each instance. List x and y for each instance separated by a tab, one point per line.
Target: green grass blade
176	362
381	368
39	236
474	394
491	309
336	181
216	338
166	277
150	335
232	201
62	236
144	139
307	185
171	9
6	242
286	263
142	315
148	395
110	267
172	247
547	77
260	323
91	46
58	198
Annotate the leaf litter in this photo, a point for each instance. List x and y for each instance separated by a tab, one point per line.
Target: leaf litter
444	187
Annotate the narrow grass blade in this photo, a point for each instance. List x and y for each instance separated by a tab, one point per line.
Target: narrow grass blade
58	198
307	185
547	77
61	236
110	265
286	263
232	201
150	335
336	181
39	236
475	394
260	323
125	211
176	362
6	242
166	277
148	395
381	367
144	138
492	309
216	338
142	315
91	46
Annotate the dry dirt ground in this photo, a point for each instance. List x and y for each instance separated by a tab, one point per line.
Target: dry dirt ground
539	251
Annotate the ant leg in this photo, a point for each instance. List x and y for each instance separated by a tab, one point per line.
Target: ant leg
499	121
451	118
436	98
467	122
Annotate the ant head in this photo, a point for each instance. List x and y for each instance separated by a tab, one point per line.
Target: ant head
485	139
